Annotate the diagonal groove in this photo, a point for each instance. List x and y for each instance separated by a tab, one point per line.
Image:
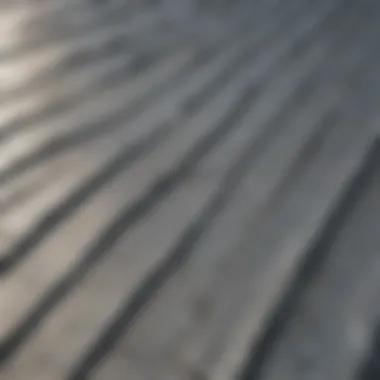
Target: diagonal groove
57	215
60	105
181	250
370	368
106	125
309	266
88	29
162	187
118	120
63	210
261	348
113	123
200	59
133	64
195	102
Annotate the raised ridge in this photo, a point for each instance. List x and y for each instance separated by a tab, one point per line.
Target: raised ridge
160	183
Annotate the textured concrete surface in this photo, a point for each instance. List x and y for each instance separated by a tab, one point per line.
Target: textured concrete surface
164	173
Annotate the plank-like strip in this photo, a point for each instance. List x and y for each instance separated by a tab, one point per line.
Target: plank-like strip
164	183
289	80
187	351
151	119
66	25
221	47
327	332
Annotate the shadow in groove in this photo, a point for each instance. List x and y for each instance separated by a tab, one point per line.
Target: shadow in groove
370	369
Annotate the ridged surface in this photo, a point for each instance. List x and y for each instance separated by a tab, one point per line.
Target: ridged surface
330	330
163	171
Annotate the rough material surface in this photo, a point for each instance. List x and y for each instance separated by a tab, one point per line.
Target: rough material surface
166	172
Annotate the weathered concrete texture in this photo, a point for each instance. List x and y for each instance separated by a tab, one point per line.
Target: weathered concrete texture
163	172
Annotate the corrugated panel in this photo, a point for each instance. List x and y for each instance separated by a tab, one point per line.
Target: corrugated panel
162	173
